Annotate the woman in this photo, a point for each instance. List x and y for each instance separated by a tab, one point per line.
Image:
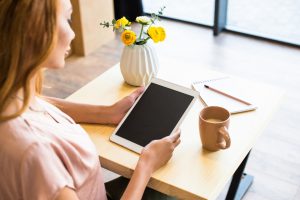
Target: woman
43	153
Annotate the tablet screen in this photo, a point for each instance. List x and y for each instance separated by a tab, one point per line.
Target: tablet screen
155	115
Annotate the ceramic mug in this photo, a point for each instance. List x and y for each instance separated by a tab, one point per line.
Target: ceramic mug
213	127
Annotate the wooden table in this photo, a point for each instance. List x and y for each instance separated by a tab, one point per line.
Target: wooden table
192	173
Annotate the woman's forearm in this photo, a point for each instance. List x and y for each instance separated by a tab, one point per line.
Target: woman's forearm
82	113
87	113
138	182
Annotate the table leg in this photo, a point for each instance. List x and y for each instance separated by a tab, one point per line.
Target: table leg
240	182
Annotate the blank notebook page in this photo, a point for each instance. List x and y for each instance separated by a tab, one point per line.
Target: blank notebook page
228	85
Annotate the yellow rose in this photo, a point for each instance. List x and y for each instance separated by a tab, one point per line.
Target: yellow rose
122	22
128	37
162	32
157	34
153	33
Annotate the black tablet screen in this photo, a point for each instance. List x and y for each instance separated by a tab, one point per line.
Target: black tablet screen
155	115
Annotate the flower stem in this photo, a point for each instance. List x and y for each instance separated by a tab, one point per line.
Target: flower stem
147	39
142	42
140	37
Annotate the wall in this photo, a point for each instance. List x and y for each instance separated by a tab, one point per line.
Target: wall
87	14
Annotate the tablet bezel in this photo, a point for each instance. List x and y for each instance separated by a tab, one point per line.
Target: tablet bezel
136	147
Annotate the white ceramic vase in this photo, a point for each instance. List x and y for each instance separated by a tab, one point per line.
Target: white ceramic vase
139	64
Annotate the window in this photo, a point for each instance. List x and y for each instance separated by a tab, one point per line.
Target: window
196	11
274	19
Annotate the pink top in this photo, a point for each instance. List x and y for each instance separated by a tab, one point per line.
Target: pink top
43	151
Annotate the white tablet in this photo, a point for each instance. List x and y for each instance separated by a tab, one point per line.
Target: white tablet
157	113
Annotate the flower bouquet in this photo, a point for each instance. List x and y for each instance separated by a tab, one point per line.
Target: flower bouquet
129	37
139	61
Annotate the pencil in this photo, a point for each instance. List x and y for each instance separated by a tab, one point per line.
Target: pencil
227	95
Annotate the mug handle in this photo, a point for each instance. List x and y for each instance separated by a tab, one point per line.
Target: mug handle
224	133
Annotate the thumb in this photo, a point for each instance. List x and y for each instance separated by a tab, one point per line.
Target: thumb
174	137
137	92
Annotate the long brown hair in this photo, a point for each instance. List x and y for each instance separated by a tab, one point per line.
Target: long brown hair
27	36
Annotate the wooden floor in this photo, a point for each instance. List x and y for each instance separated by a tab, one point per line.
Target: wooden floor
275	160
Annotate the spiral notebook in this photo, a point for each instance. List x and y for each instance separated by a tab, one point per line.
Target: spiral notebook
227	92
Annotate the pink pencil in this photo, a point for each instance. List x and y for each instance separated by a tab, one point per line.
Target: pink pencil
227	95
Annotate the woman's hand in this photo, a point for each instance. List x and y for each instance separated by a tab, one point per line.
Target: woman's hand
154	155
120	108
157	153
87	113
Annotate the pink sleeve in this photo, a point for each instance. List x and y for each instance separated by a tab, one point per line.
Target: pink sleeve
43	174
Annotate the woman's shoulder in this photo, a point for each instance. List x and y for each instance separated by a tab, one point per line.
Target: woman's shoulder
16	137
13	130
18	147
26	162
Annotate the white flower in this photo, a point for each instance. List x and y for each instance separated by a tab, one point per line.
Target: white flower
144	20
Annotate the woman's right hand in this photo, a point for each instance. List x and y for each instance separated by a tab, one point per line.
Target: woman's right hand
157	153
153	156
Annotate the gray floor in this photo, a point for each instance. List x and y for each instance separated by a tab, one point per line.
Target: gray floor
275	160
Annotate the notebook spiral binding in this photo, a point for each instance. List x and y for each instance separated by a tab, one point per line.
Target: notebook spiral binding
209	80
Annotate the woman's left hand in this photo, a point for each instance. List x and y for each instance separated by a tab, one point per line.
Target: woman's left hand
120	108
